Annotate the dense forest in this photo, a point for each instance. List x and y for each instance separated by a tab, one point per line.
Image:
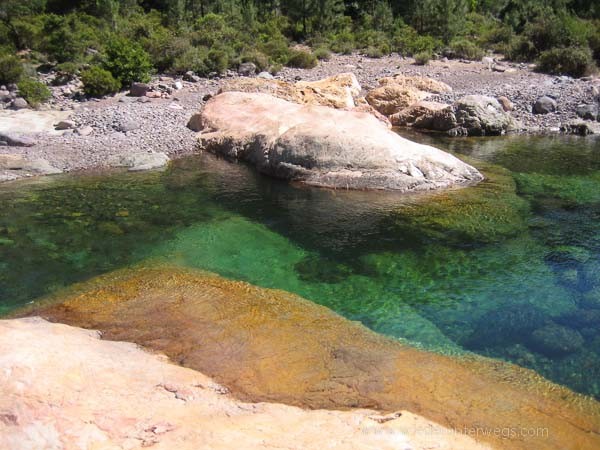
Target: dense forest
114	42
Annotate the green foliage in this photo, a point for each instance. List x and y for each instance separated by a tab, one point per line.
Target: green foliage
33	91
217	61
65	72
67	38
466	49
98	82
322	53
574	61
260	60
373	52
127	61
407	42
422	58
302	59
194	59
208	36
11	69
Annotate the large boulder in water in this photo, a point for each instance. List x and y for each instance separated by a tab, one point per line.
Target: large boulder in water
322	146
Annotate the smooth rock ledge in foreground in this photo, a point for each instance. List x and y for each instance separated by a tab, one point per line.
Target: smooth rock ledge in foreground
322	146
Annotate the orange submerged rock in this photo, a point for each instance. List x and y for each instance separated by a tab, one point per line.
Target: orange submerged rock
269	345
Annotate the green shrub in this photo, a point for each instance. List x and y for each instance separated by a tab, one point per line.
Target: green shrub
322	54
193	59
373	52
343	42
98	82
275	68
302	59
465	49
574	61
11	69
259	59
33	91
217	61
422	58
67	38
65	72
127	61
276	49
407	42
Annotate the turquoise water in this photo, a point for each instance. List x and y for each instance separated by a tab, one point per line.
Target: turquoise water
509	268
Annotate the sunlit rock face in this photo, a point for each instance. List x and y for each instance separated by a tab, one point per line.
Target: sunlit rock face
268	345
323	146
63	387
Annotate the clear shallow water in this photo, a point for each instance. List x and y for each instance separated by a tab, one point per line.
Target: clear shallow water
509	268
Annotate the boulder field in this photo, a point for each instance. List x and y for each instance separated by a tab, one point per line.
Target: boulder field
322	146
269	345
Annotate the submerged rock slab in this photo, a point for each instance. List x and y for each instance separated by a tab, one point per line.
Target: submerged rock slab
63	387
268	345
323	146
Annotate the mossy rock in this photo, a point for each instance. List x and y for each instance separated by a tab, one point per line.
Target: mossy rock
555	340
486	213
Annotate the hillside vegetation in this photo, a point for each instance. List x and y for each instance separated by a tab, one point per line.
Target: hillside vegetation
111	43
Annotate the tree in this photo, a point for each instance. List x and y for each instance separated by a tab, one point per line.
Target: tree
13	10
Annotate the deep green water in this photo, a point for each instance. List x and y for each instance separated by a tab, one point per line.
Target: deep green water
509	268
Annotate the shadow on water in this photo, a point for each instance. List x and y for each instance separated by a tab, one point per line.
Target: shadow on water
509	268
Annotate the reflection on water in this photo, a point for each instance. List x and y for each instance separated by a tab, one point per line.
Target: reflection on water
509	268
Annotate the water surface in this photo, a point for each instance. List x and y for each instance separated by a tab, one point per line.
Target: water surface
509	268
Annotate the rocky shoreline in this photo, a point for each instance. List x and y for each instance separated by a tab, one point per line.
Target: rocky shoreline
267	345
102	133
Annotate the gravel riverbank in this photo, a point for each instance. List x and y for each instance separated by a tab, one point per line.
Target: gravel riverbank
122	125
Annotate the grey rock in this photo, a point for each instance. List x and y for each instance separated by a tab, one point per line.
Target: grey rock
18	162
144	100
580	128
136	162
544	105
127	125
247	69
138	89
65	125
41	167
178	85
17	140
588	112
482	116
84	131
5	95
12	87
20	103
265	76
191	77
